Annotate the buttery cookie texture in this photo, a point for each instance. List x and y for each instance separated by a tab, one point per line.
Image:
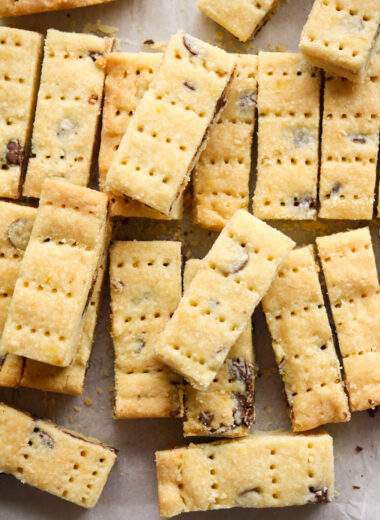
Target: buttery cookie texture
169	128
303	344
339	36
20	56
267	469
68	109
215	308
57	275
221	176
128	77
349	268
22	7
69	380
16	224
227	407
61	462
242	18
145	291
288	135
350	142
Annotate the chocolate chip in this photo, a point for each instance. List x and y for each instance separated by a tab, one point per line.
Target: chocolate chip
337	188
302	137
241	370
139	344
358	139
93	99
189	85
66	127
174	413
19	233
15	153
149	42
94	55
205	418
248	101
355	487
238	260
117	285
244	413
320	495
358	449
188	46
372	411
371	401
306	201
44	437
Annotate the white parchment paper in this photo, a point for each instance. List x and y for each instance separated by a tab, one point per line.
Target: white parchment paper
131	492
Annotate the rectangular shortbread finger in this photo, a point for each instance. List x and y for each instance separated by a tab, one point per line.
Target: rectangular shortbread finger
145	290
287	163
350	140
169	127
13	218
236	272
61	462
303	344
352	284
339	36
242	18
227	407
57	275
68	107
69	380
128	77
23	7
20	56
267	469
221	176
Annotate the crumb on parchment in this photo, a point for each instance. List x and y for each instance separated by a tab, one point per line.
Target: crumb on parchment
87	401
77	408
99	390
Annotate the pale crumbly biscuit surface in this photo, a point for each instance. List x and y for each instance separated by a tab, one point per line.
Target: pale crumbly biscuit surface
61	462
128	77
23	7
145	290
236	273
303	344
352	284
350	141
16	222
20	56
221	176
57	275
249	472
68	109
227	407
242	18
288	134
166	134
339	36
71	379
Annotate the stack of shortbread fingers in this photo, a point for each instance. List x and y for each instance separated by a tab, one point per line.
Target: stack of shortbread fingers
190	110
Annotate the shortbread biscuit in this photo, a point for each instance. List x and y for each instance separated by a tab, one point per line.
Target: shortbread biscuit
22	7
20	56
57	275
232	279
339	36
145	291
303	344
350	141
267	469
169	127
242	18
68	107
70	380
128	77
287	163
227	407
16	224
221	176
352	284
61	462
